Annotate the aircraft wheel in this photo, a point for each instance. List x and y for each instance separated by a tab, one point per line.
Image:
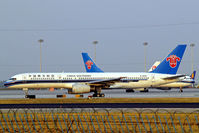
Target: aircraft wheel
98	95
102	95
130	90
94	95
30	96
145	90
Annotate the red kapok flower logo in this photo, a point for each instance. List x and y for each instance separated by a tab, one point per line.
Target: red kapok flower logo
154	67
89	64
173	60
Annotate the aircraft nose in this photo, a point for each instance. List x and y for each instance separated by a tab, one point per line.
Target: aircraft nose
6	83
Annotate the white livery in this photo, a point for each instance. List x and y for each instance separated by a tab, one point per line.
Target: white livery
94	82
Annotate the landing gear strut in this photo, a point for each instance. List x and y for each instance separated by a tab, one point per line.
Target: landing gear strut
26	94
181	90
97	92
145	90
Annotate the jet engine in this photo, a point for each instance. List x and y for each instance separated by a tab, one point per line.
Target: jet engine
79	88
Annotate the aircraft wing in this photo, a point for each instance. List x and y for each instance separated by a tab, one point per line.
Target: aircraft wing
104	82
174	77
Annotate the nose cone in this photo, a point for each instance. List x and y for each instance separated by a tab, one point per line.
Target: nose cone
7	83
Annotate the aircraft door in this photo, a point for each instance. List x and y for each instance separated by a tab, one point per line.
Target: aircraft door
153	79
60	78
24	78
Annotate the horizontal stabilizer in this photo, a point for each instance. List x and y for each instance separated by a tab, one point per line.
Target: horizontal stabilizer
173	77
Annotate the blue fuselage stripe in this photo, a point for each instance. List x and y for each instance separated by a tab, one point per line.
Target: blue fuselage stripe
7	84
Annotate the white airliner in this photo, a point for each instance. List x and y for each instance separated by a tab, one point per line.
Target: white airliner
186	81
154	66
78	83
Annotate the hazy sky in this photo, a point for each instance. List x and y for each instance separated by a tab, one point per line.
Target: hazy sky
69	27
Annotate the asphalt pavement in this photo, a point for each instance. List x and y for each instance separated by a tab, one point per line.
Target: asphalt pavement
119	93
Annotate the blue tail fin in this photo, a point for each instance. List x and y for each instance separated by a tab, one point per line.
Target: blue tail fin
171	63
193	75
90	64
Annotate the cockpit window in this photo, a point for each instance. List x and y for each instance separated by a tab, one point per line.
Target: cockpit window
13	79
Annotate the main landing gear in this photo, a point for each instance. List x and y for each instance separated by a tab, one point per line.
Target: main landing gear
129	90
26	94
97	92
181	90
145	90
98	95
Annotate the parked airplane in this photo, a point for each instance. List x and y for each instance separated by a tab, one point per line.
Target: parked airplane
154	66
186	81
90	64
77	83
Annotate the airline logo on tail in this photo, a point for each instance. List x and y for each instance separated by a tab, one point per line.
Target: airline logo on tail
173	60
171	63
193	75
89	64
154	67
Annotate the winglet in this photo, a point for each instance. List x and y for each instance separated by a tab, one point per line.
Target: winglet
172	62
90	64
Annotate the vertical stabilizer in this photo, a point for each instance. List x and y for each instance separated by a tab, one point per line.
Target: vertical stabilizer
193	75
90	64
154	66
172	62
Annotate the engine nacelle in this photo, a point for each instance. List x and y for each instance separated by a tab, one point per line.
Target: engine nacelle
80	88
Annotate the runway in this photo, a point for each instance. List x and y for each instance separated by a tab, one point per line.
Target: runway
153	93
120	93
